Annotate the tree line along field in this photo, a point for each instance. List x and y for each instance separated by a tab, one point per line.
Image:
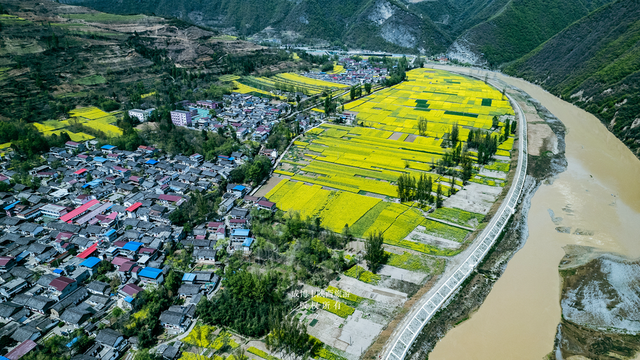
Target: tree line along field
347	175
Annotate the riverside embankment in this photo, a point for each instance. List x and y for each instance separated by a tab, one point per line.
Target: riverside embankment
594	202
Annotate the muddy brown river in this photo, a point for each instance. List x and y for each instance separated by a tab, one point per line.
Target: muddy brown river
598	195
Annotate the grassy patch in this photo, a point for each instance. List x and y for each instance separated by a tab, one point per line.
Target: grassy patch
366	221
411	262
498	166
457	216
445	231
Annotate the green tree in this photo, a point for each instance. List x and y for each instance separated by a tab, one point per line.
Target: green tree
374	251
290	337
454	135
422	126
439	196
507	130
367	88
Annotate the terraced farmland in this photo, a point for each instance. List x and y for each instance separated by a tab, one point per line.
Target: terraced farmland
346	175
293	83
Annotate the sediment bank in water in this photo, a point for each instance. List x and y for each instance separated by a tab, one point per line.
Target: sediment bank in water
600	306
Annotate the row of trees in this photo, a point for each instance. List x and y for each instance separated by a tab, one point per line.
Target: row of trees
485	143
410	189
454	157
289	336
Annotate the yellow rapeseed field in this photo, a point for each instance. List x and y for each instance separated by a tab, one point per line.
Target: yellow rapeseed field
353	168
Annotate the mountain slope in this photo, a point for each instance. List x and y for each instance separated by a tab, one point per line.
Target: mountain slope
516	29
595	63
456	16
373	24
54	57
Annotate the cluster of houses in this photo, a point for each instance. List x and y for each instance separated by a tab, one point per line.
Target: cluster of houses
94	235
251	117
355	73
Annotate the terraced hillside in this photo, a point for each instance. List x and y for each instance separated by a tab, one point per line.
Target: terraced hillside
54	57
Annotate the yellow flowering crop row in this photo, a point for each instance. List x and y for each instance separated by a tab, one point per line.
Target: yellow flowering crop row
260	353
200	336
91	113
357	272
309	81
219	341
282	172
333	306
192	356
344	294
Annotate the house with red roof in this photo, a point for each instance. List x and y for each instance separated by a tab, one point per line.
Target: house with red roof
7	263
131	210
170	199
266	205
130	290
62	286
90	250
238	223
72	145
119	260
21	350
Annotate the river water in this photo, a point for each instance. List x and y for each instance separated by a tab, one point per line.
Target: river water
597	193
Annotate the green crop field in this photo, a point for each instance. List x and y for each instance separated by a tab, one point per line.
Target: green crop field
457	216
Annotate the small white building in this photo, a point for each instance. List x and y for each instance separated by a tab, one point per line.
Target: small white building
142	115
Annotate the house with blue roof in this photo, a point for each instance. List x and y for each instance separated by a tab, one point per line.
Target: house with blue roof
92	183
239	190
110	235
99	159
246	245
91	264
151	162
240	234
188	278
108	149
132	246
151	275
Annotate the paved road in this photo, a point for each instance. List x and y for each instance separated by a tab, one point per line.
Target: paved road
179	337
411	326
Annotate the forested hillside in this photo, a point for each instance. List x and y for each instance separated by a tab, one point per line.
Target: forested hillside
519	27
595	63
